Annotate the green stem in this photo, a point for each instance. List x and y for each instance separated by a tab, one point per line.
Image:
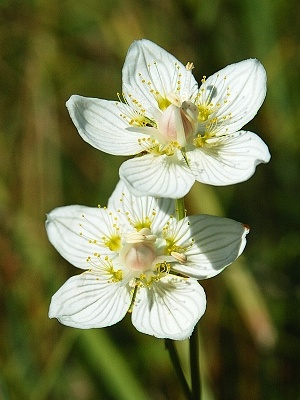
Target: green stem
179	208
195	365
195	393
170	346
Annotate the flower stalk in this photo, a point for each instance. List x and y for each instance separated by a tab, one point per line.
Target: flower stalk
195	392
170	346
180	209
142	254
195	365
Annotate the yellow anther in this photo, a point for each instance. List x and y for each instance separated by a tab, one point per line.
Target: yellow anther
189	66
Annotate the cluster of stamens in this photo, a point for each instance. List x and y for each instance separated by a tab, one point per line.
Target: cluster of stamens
209	122
199	133
138	261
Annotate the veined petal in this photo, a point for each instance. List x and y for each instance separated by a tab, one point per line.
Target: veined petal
141	210
152	70
90	301
217	242
100	123
236	93
77	231
231	159
160	176
170	308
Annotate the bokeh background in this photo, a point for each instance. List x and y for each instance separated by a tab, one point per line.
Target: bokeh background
49	50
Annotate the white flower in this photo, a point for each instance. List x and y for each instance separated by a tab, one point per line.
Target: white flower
137	257
181	133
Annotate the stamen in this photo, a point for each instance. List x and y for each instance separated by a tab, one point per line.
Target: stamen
113	242
181	258
139	216
105	264
143	236
189	66
172	237
159	77
85	232
134	113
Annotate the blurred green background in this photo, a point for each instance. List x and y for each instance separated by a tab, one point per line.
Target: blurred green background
49	50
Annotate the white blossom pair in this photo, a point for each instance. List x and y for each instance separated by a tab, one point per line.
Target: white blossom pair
179	132
138	257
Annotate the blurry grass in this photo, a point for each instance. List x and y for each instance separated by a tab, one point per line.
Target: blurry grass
50	50
248	297
103	359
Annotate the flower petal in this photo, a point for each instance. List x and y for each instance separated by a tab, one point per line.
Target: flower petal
217	242
141	210
236	92
147	66
170	308
231	159
99	123
90	301
160	176
77	231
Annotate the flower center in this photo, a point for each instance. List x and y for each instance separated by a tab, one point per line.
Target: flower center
178	122
139	251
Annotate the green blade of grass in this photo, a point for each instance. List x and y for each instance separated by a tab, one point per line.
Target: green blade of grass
106	360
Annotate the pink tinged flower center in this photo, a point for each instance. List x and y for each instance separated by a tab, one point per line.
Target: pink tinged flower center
179	121
189	114
139	251
139	256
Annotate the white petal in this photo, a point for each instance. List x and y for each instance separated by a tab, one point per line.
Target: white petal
142	208
148	62
170	308
217	243
100	124
232	159
240	90
90	301
77	231
160	176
